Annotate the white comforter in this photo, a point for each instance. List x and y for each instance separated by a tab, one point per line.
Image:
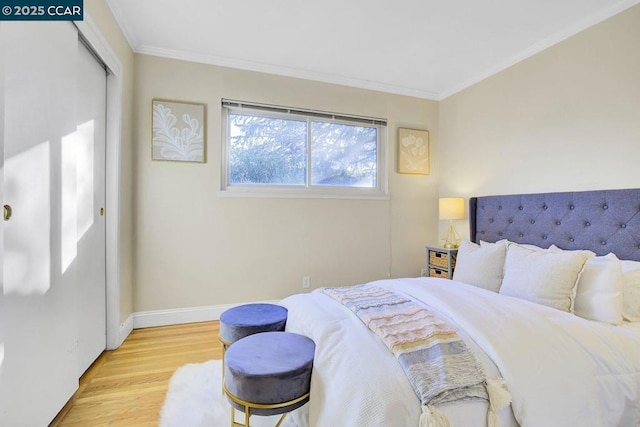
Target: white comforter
561	370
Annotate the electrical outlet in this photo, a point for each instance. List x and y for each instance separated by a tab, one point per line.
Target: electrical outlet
423	272
306	282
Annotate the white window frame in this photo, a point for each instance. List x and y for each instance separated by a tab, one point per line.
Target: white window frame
307	190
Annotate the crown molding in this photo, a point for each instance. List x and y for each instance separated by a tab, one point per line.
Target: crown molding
283	71
123	23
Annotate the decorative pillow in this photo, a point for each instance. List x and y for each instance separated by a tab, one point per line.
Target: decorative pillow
480	265
599	290
631	290
543	276
523	245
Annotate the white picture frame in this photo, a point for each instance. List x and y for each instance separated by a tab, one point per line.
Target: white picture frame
179	131
413	151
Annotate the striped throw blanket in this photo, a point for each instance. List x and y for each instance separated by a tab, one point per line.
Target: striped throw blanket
438	364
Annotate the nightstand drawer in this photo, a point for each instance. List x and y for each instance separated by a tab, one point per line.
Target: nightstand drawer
434	272
441	259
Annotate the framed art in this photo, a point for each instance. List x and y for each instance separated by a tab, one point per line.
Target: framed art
413	151
179	130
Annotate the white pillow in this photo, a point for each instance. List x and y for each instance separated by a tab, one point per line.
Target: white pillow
480	265
599	290
543	276
631	290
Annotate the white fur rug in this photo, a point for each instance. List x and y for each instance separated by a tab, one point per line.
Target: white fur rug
195	399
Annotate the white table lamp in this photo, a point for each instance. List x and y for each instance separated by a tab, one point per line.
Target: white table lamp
451	208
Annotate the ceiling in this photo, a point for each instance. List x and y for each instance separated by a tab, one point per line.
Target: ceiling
424	48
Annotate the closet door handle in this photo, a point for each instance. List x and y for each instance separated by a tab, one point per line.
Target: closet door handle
7	212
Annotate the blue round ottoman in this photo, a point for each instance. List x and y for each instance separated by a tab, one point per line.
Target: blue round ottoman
244	320
268	374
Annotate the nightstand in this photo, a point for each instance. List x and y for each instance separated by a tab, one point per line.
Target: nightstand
441	262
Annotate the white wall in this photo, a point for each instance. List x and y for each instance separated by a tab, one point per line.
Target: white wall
196	248
565	119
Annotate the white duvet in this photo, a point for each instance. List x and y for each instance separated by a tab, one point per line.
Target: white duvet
561	370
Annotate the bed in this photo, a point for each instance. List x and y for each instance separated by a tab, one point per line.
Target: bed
568	354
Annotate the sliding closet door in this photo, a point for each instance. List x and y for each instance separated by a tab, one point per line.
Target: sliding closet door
2	215
90	157
39	296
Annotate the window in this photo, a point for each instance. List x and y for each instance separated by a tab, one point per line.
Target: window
279	150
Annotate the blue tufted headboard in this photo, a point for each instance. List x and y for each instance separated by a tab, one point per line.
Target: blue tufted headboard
602	221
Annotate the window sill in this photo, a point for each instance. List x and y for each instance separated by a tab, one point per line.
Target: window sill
290	193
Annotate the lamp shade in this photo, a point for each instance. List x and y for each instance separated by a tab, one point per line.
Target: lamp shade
451	208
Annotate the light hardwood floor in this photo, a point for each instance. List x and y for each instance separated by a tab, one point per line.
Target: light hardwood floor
127	386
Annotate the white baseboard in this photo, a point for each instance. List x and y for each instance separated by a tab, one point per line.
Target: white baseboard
148	319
